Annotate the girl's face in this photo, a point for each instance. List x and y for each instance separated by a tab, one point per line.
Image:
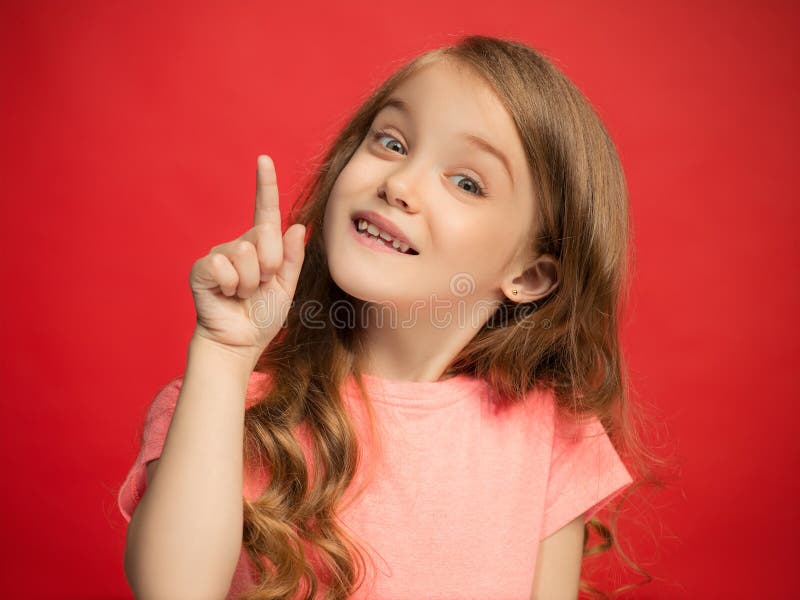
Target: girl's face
426	177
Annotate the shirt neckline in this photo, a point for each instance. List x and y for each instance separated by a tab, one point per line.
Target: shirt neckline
419	394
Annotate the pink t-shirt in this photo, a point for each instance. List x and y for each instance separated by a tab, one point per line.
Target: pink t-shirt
464	494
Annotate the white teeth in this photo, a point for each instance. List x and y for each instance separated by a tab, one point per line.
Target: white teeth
363	224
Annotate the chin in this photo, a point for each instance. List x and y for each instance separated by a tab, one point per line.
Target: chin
360	281
357	281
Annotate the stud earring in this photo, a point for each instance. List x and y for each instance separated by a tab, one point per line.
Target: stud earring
514	292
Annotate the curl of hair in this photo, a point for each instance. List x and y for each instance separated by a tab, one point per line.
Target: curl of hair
568	343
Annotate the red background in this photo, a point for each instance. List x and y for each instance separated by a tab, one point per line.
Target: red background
129	140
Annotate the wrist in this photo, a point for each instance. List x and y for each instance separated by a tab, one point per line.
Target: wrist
241	359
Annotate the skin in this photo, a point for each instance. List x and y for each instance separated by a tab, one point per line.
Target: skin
558	564
425	178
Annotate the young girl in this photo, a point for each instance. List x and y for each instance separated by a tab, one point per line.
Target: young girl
409	393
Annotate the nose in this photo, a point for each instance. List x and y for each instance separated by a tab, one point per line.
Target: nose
396	190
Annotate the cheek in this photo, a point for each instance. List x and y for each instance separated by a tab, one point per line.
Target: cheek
356	186
478	246
342	190
356	172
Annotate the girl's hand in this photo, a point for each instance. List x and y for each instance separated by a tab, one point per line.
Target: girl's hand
243	289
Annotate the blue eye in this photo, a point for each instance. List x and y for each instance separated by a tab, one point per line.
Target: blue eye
381	134
477	187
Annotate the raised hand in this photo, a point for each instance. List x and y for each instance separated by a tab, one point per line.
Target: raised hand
243	288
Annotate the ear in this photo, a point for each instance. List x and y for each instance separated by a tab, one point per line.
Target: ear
537	280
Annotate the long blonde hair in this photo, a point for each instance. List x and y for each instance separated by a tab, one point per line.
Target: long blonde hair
583	211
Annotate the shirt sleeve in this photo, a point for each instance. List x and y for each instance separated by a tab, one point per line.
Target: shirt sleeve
156	425
154	434
586	473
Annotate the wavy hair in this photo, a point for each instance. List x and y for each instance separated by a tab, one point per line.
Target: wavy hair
583	220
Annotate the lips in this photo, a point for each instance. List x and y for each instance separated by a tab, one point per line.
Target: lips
386	225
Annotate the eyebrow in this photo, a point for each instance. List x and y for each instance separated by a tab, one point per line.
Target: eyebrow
473	139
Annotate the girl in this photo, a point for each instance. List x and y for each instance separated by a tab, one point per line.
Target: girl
460	450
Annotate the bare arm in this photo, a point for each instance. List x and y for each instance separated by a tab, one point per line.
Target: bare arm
185	535
558	564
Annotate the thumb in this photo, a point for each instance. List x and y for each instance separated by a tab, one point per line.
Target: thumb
293	255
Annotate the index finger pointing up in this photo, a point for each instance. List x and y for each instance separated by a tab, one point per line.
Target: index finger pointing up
268	209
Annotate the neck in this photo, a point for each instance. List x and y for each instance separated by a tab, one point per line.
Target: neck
422	351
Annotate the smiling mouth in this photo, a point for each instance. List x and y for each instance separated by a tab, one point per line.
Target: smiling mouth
387	243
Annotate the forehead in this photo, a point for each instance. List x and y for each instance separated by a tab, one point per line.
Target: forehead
453	92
